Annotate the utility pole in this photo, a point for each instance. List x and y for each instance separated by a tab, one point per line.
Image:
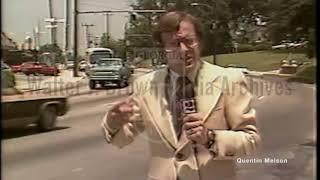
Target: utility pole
75	39
53	24
107	27
87	26
66	24
126	41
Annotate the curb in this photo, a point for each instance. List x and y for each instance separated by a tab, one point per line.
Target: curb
278	75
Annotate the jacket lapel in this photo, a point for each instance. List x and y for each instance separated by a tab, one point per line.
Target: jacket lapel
208	91
158	106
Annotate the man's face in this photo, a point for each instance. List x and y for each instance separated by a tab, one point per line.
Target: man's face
182	48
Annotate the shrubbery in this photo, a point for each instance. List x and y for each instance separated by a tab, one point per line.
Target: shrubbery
262	46
245	48
305	75
254	47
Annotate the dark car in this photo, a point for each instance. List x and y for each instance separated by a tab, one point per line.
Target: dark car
19	110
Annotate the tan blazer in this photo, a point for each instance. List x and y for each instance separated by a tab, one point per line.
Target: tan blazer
223	98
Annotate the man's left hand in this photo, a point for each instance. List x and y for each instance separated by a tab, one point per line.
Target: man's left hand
194	128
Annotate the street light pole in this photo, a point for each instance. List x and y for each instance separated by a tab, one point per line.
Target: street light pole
75	39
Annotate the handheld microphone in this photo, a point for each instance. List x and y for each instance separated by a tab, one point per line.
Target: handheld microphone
189	106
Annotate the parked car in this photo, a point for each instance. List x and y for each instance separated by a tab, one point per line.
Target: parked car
19	110
83	65
16	68
37	68
288	44
49	70
70	64
299	44
109	71
31	67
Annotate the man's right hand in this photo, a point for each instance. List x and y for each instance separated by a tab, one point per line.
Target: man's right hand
120	114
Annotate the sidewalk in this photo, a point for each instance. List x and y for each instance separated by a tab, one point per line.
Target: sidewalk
65	80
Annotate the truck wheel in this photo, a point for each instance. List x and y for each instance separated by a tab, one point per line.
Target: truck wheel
48	118
122	83
92	85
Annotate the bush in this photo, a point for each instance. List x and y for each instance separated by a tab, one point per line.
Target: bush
305	75
308	72
8	79
245	48
263	47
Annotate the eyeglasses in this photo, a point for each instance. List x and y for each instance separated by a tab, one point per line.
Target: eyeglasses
174	45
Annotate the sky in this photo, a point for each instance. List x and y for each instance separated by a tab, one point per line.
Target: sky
19	17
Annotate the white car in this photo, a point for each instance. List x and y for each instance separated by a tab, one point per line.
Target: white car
70	64
83	65
280	46
300	44
283	45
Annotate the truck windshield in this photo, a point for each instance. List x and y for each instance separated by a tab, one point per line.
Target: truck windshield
97	56
109	63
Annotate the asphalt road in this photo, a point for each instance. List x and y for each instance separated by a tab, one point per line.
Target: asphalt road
76	150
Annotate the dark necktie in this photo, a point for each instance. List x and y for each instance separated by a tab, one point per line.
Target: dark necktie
184	91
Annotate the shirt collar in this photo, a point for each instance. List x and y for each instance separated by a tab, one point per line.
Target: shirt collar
191	76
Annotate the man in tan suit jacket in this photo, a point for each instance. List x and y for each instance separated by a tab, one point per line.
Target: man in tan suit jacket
223	128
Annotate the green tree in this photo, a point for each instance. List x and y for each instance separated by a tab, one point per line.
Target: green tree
116	45
54	49
293	19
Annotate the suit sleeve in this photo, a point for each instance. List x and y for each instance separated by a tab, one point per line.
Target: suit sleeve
127	133
243	137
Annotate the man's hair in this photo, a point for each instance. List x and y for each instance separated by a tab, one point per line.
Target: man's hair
170	22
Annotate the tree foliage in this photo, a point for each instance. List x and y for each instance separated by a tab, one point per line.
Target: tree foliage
116	45
284	19
54	49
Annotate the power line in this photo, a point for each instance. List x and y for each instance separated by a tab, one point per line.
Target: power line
99	5
122	11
